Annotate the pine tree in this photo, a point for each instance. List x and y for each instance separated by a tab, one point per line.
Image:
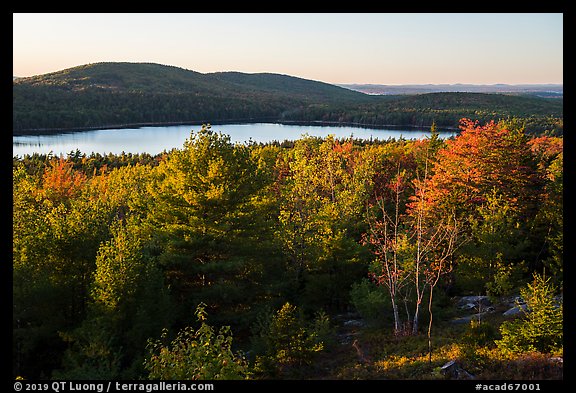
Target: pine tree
540	329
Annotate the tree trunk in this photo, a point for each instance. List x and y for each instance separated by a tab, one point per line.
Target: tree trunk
416	315
430	326
407	311
396	317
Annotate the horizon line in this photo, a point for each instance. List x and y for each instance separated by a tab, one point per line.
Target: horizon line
303	77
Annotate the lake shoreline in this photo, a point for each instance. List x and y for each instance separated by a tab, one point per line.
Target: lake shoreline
154	139
320	123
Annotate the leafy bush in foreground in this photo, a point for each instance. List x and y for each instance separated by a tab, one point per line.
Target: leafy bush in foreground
196	354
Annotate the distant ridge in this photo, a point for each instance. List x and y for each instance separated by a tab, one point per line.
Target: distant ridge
544	90
115	95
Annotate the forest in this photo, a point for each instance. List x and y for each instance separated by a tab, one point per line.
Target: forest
118	94
249	261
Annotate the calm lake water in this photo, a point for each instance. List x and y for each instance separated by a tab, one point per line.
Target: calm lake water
154	140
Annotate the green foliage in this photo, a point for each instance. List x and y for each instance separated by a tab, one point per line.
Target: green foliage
201	354
406	358
128	305
505	279
479	333
550	218
58	225
322	329
320	220
105	94
93	353
289	342
541	327
109	250
370	301
493	260
212	221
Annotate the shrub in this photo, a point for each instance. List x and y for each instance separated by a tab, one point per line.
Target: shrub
196	354
540	330
370	301
289	343
493	364
322	329
479	334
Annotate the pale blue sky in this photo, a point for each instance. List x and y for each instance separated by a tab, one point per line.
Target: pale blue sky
335	48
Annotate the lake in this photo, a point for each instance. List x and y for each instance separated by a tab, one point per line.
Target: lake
154	140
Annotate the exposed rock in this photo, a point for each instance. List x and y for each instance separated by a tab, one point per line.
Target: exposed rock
517	309
517	305
469	302
354	323
348	324
512	301
468	306
346	338
453	371
557	360
518	300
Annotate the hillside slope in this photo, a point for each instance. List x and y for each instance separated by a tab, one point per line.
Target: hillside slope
115	94
162	79
305	89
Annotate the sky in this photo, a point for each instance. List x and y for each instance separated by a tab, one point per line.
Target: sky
339	48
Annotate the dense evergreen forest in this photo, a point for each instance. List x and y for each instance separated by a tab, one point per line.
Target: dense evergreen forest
115	94
245	261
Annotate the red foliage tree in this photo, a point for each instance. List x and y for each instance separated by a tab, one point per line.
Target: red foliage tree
481	159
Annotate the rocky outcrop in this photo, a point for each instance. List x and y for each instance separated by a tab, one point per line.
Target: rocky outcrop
518	309
452	370
473	302
478	305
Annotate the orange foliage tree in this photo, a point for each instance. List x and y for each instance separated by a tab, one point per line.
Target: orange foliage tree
61	181
481	159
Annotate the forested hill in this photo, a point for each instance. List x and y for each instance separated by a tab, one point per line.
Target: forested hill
115	94
163	79
304	89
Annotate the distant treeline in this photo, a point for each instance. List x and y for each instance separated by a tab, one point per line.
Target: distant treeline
539	115
109	94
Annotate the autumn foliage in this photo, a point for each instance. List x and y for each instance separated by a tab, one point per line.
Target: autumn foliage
61	181
483	158
111	251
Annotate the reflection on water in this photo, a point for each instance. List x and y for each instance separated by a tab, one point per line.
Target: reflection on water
155	140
